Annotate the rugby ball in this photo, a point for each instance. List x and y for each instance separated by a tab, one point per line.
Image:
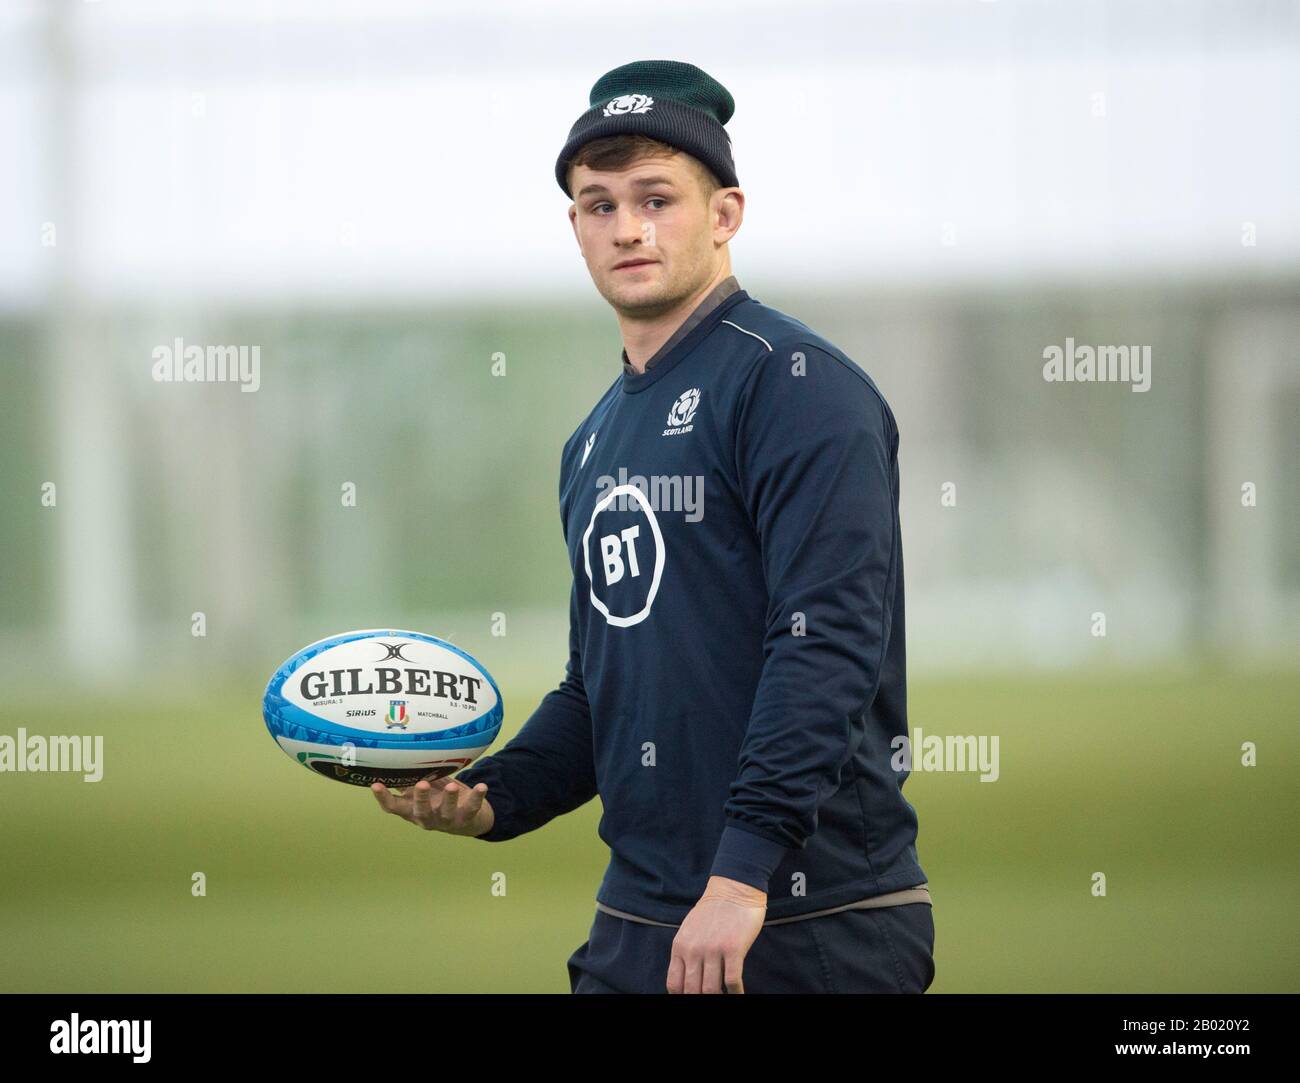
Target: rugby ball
382	706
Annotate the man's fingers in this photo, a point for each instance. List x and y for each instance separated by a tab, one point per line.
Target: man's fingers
468	803
422	803
434	804
474	802
460	812
447	806
712	974
676	972
386	800
685	970
734	964
692	975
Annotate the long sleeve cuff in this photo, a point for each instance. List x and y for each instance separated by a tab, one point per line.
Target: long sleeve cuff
747	857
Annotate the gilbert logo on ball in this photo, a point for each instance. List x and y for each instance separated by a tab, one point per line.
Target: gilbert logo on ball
382	706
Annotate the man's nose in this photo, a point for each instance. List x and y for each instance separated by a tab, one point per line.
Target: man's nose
628	229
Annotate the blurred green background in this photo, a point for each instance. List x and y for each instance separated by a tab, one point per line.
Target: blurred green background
312	888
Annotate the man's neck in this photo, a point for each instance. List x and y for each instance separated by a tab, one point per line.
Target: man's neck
643	337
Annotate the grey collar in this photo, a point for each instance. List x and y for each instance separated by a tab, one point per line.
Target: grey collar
715	297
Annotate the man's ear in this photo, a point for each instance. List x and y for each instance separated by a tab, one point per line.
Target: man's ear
730	209
573	221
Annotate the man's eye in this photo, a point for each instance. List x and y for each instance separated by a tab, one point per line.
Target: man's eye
597	208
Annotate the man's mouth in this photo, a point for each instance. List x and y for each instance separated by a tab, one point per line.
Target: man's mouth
628	265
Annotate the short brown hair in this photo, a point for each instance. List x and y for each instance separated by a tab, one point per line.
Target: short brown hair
620	151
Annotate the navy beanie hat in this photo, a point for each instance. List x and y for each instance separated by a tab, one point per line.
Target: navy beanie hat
667	100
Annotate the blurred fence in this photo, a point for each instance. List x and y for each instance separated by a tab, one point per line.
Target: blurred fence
1029	505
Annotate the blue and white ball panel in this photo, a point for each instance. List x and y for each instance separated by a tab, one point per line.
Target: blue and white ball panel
383	705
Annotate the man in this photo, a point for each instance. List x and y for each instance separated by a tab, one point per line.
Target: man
735	687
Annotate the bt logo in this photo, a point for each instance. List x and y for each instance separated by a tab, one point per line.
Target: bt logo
624	557
612	547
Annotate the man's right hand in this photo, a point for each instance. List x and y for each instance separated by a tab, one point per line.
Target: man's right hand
442	804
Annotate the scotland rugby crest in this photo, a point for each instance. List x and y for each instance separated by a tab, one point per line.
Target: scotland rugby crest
628	103
683	411
684	408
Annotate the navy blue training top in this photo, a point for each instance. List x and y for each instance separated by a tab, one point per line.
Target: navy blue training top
736	668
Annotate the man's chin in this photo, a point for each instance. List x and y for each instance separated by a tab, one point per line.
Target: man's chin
636	299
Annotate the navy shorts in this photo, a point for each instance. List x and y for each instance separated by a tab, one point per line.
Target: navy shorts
887	949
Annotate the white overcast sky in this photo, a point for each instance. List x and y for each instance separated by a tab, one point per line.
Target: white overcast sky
267	150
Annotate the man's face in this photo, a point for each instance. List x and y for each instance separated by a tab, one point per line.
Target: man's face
649	234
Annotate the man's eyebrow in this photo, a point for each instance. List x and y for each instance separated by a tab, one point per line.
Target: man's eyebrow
640	182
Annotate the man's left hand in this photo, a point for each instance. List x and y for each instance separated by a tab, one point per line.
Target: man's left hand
710	947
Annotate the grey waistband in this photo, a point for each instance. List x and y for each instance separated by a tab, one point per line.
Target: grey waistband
918	894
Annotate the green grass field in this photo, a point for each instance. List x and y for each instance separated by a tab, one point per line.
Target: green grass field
311	888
